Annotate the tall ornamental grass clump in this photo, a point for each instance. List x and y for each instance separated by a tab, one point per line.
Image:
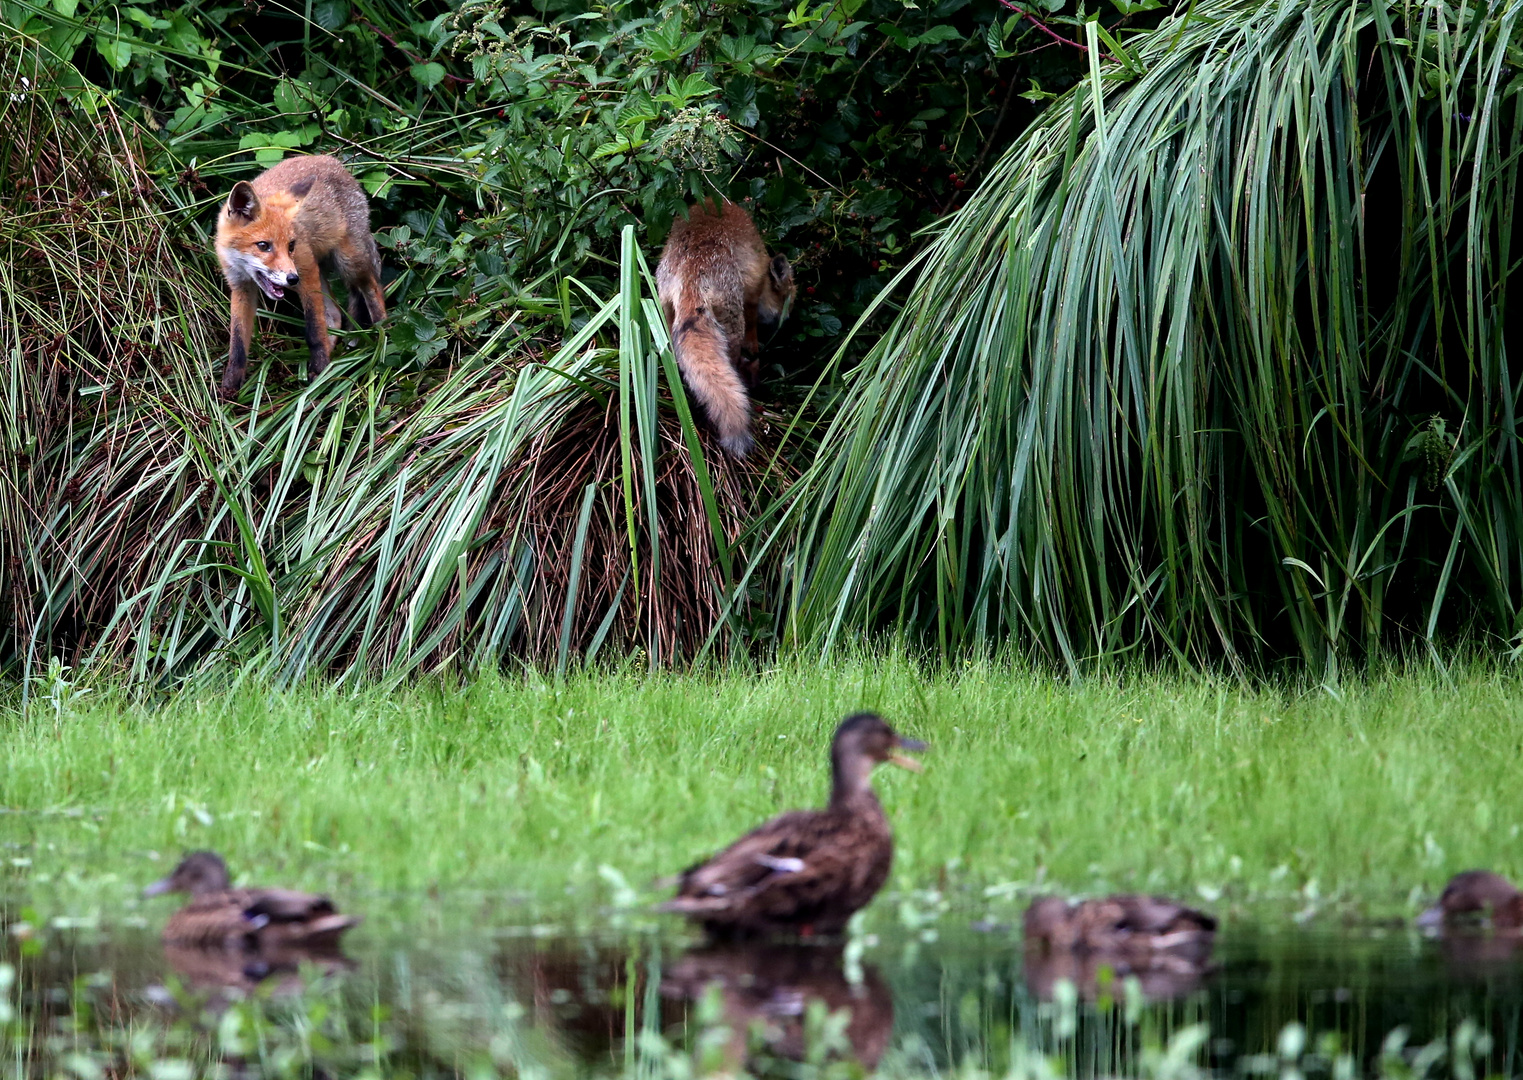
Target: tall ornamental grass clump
516	497
1219	361
104	321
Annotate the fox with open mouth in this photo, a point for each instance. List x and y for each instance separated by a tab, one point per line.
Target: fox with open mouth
288	228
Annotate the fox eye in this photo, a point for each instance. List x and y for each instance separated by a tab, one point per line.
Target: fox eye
263	245
291	247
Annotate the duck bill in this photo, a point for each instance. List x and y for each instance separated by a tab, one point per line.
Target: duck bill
158	888
1431	919
914	746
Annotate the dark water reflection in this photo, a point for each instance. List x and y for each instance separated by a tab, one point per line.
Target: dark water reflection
461	998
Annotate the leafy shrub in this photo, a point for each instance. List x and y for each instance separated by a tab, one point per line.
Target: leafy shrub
509	144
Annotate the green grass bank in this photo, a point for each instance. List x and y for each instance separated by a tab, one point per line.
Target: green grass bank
1251	798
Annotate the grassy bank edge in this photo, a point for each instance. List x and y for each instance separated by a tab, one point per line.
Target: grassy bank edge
560	795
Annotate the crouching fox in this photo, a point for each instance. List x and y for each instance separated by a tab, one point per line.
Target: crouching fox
285	229
717	286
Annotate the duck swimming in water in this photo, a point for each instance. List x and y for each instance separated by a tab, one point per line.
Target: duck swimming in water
1477	897
806	871
219	915
1135	930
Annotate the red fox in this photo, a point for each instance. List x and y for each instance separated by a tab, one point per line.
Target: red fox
717	285
293	223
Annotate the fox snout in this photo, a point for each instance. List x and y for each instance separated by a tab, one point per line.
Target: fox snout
274	283
273	277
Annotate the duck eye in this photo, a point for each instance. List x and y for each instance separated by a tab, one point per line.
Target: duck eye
263	245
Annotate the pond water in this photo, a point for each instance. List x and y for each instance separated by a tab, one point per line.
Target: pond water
471	992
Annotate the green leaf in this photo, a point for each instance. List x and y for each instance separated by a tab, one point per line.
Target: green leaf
695	85
66	8
376	183
288	99
114	51
429	75
331	15
939	33
669	42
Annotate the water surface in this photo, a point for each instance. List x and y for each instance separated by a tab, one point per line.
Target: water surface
469	990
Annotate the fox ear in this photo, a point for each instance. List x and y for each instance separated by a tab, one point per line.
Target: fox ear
782	273
301	188
243	202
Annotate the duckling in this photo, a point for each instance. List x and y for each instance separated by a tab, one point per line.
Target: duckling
806	871
256	919
1477	896
1135	930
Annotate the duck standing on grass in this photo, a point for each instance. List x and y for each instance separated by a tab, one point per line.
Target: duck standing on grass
806	871
218	915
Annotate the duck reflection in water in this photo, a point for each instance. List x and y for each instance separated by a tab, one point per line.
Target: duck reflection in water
238	968
1164	945
765	993
239	937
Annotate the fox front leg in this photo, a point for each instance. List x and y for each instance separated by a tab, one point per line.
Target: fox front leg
245	307
314	306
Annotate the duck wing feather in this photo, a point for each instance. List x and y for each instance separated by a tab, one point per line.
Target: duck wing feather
1154	915
802	866
1146	923
258	917
286	905
212	918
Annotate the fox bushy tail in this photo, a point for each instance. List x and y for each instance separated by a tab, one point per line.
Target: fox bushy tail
703	354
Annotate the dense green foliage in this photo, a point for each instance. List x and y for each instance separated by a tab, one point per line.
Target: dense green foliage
1217	363
1213	365
382	519
438	499
1257	797
509	143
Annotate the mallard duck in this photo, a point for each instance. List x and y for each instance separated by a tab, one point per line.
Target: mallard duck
219	915
1477	897
806	871
1132	929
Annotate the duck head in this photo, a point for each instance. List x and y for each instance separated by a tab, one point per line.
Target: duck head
198	872
1477	894
861	742
1049	922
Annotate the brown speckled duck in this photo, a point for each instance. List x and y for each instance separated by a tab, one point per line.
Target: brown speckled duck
1477	898
219	915
806	871
1135	930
